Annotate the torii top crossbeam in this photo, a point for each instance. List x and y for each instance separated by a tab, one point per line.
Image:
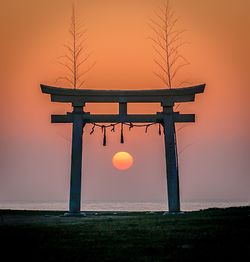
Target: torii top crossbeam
78	98
81	96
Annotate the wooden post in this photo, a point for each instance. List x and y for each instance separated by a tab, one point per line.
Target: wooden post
171	161
76	162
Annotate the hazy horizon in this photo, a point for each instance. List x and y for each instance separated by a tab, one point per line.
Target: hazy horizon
35	154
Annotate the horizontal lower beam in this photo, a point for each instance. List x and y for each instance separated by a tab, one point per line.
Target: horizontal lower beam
184	118
56	119
178	118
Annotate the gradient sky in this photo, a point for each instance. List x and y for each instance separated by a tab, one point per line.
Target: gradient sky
35	155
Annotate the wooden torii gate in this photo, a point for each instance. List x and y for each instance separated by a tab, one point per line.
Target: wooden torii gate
79	118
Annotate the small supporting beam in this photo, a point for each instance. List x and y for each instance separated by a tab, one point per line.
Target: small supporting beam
76	162
171	161
123	108
122	111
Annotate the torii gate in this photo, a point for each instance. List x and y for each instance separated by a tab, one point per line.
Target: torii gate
79	118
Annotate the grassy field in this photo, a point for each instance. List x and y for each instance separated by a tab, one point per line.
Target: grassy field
208	235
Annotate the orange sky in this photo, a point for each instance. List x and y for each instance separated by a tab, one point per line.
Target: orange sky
35	156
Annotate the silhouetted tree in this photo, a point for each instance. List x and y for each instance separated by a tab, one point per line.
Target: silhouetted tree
76	57
167	42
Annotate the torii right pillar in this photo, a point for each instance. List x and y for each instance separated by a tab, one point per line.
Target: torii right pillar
171	159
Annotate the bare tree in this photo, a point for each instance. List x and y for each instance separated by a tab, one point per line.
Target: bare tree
76	57
167	42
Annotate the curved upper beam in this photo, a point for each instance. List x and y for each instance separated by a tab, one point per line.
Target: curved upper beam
192	90
78	97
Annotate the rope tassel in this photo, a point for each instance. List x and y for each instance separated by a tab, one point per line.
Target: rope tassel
92	130
160	129
104	136
113	128
122	136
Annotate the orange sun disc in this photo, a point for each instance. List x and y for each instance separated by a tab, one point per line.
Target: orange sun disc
122	160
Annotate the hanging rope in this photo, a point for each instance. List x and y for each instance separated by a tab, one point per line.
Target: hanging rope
112	129
104	131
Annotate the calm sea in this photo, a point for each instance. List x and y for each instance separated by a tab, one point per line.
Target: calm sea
117	206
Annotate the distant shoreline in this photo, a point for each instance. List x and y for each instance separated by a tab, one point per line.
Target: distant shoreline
95	212
117	206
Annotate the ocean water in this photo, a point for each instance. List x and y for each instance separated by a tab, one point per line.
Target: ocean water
118	206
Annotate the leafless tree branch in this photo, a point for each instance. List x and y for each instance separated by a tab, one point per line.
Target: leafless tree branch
67	66
86	71
160	66
161	78
159	53
64	78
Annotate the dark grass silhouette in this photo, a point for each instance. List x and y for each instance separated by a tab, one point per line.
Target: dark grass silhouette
209	235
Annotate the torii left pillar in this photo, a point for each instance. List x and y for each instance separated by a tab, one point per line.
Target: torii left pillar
76	162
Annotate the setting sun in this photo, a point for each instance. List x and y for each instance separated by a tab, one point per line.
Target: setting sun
122	160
